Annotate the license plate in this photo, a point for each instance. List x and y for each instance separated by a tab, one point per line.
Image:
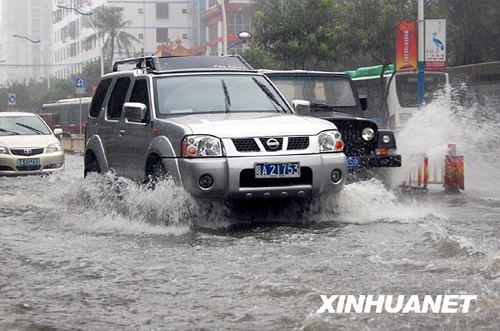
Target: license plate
28	162
352	162
277	170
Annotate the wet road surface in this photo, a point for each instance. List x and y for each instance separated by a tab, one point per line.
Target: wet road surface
103	254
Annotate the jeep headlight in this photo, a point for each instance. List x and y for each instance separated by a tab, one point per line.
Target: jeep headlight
368	134
4	150
330	141
201	146
52	148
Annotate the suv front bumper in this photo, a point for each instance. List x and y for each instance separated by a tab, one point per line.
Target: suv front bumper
228	172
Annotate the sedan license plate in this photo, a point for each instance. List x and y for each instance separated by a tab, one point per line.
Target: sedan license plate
352	162
28	162
277	170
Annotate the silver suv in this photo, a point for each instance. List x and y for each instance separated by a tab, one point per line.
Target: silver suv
212	124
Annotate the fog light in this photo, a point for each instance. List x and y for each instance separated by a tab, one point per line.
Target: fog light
206	182
336	176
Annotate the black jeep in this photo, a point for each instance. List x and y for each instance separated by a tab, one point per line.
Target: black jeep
333	96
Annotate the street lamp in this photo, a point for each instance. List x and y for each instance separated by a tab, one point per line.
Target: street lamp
36	42
244	36
99	41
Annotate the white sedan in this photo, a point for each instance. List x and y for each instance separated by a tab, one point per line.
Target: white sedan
28	146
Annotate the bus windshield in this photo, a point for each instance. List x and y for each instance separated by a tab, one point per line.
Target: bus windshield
332	92
407	87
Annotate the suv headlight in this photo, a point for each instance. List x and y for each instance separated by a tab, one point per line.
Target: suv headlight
368	134
4	150
330	141
201	146
52	148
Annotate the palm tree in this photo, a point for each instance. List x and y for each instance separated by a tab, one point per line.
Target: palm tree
109	23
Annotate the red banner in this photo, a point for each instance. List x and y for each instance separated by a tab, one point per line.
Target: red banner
406	46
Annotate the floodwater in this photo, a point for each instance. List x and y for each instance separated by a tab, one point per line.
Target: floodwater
104	254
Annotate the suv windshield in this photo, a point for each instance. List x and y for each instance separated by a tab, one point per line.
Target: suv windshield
321	91
216	94
407	87
22	125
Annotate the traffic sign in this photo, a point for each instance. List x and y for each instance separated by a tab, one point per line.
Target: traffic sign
80	85
12	99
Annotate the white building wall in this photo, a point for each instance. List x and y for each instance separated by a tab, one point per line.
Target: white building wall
144	22
69	54
24	60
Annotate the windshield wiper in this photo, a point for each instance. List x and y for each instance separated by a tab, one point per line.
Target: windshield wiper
11	132
269	94
30	128
226	94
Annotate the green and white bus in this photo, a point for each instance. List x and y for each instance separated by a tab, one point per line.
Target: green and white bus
402	96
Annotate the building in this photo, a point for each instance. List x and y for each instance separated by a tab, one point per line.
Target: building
152	23
24	60
239	15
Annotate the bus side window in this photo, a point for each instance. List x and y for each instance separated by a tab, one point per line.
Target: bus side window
98	99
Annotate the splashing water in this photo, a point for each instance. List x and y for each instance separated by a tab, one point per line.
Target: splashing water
474	129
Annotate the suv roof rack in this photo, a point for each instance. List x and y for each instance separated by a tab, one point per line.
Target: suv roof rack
185	63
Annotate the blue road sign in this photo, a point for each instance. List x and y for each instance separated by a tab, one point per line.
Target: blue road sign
80	84
12	99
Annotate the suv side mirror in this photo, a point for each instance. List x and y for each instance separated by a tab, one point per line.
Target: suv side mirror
363	100
135	111
58	132
301	107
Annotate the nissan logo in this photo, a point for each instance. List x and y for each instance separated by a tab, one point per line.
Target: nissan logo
272	143
28	151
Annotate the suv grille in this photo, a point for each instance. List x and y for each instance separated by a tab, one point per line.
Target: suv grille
351	135
26	151
247	179
268	148
246	145
295	143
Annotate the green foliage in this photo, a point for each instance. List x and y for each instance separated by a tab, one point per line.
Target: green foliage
260	59
300	34
369	26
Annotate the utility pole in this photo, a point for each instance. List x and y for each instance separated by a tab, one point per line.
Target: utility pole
224	27
421	52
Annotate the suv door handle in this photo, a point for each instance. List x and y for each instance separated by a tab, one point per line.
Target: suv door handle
122	133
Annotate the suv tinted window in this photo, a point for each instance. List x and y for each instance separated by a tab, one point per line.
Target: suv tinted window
98	99
115	104
140	92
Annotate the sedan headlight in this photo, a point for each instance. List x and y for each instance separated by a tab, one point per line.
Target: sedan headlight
201	146
4	150
368	134
52	148
330	141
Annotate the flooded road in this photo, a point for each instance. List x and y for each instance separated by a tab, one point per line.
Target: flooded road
102	254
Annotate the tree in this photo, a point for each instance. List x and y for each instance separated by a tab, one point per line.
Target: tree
109	23
301	34
473	30
369	29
